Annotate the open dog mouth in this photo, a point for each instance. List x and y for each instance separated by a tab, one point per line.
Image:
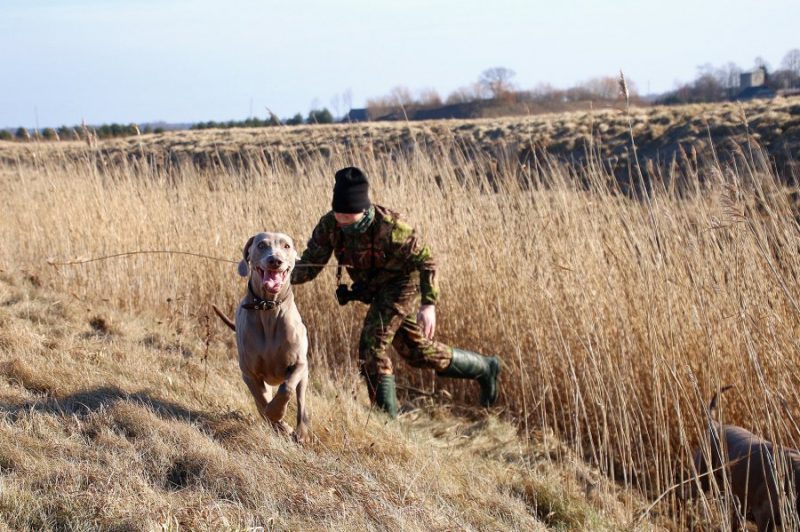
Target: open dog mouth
273	280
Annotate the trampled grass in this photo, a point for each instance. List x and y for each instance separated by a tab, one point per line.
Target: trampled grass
616	318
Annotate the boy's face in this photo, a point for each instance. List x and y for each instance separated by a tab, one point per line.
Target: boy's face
346	218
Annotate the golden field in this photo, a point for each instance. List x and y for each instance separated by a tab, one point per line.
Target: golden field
616	318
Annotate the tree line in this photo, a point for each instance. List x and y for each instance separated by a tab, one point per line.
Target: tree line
82	132
108	131
315	116
721	83
496	86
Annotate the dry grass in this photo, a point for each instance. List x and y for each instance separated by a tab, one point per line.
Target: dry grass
616	318
105	425
661	133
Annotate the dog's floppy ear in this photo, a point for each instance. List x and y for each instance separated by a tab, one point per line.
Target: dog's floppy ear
244	269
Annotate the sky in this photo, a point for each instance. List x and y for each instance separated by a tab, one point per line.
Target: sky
103	61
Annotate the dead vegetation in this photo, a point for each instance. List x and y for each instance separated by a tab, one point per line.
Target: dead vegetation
616	316
600	136
109	432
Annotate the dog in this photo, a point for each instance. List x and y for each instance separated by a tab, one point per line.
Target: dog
758	472
271	338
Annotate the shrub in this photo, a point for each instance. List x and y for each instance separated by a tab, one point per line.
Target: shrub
319	116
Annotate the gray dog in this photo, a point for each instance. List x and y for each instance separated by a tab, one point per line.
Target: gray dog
270	336
758	472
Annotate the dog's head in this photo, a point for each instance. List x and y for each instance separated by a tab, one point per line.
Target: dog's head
269	259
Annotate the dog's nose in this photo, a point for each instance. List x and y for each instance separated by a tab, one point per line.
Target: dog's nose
274	262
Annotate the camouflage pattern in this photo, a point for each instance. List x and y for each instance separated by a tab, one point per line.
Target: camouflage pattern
392	318
388	252
385	259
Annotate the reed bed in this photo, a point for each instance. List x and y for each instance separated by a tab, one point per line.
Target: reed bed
616	317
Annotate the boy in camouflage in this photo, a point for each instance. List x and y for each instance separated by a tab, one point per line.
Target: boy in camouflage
387	262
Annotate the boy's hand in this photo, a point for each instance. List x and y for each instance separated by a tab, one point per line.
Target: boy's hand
426	318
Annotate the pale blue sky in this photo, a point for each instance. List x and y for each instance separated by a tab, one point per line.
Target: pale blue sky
193	60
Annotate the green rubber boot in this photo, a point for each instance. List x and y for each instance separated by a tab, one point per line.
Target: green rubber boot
386	395
469	365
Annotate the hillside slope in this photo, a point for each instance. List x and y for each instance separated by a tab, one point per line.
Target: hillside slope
121	422
661	133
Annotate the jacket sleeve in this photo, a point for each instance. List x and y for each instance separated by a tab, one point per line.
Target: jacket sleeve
317	253
413	250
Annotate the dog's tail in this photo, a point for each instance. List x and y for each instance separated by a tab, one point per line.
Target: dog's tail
224	318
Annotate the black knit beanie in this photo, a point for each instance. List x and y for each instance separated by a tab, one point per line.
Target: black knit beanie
350	191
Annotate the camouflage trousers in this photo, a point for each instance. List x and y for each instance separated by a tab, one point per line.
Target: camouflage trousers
392	319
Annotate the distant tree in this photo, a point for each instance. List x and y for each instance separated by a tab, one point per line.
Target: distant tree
158	130
466	94
497	80
760	62
546	93
49	133
783	79
347	100
429	98
791	61
729	77
401	96
65	133
603	88
296	120
22	134
319	116
380	106
6	135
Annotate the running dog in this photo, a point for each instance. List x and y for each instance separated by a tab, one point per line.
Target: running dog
270	335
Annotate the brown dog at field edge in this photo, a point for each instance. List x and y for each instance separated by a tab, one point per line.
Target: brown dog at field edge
760	473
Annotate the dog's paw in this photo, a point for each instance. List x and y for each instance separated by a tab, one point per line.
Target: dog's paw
281	427
301	434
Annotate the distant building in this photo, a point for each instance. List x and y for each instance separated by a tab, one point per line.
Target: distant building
753	85
357	115
756	78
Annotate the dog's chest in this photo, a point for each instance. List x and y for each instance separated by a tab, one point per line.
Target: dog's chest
268	349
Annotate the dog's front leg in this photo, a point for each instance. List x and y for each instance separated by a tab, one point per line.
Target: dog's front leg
276	408
301	432
261	393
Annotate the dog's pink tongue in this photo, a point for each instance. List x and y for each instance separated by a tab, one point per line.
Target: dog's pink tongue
272	281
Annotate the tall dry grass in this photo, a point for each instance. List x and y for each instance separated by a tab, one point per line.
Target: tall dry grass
616	318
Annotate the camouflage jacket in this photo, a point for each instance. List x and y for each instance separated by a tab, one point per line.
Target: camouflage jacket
387	253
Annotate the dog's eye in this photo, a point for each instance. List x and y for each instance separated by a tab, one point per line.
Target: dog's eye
286	245
262	245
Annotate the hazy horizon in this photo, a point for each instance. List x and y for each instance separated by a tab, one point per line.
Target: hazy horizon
182	62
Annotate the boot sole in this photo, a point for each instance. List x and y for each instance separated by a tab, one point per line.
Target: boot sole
495	368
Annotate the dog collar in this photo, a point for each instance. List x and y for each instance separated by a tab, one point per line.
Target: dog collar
259	303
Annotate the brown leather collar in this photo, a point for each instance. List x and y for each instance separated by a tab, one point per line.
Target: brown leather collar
263	304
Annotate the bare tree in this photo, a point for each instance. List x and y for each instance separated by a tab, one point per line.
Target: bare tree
791	61
347	99
497	80
729	75
468	93
336	105
429	98
760	62
604	88
401	96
